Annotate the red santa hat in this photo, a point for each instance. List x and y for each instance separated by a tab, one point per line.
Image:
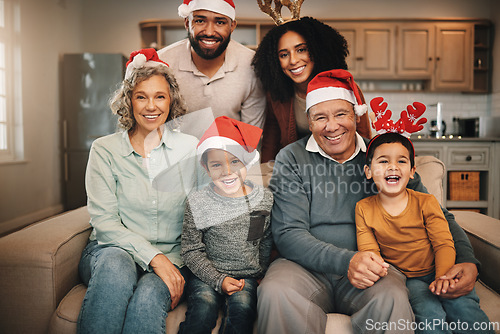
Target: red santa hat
224	7
142	58
238	138
333	85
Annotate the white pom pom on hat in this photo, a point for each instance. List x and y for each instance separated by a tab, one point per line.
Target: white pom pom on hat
143	58
224	7
333	85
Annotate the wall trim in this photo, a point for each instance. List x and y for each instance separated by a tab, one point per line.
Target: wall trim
18	223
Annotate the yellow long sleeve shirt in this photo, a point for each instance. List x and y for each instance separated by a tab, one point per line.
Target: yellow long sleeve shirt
417	241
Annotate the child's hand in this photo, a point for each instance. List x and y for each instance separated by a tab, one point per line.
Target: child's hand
231	285
440	286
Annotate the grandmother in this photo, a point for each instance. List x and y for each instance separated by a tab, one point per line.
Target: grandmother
132	264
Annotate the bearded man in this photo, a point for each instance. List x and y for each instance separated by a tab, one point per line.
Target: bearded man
211	69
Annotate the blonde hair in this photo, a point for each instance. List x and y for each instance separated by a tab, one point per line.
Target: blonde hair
121	100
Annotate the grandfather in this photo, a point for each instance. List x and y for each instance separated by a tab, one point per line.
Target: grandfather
316	183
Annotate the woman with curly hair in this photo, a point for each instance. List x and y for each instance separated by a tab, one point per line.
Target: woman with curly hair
132	264
288	57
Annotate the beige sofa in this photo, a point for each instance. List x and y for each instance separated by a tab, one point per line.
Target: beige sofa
40	290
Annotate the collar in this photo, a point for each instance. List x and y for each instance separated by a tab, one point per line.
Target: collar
312	146
166	139
229	65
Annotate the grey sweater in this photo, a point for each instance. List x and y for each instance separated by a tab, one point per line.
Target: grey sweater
225	236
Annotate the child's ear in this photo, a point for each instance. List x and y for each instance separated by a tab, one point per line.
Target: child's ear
368	172
412	172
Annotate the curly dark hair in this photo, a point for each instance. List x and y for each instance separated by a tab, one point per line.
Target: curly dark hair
327	49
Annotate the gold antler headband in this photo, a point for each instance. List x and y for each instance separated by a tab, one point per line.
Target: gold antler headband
275	13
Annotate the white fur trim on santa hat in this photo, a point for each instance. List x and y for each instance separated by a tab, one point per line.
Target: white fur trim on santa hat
334	93
140	61
217	6
231	146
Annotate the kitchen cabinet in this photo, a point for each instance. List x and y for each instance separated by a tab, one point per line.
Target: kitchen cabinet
478	157
372	48
439	55
415	50
453	65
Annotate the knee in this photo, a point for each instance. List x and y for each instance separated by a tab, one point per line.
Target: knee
115	264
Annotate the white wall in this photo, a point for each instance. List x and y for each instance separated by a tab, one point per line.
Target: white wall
32	189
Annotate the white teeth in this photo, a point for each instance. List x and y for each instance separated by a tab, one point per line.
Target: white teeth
297	70
151	116
229	182
333	138
209	42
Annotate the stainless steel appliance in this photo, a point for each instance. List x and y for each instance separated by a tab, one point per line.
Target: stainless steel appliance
467	127
86	84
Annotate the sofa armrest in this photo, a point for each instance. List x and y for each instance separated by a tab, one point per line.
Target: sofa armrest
484	235
39	265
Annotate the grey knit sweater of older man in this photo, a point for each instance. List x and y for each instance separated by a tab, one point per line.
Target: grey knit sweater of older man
227	237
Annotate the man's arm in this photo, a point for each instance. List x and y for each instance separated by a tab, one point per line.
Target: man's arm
466	265
252	109
291	222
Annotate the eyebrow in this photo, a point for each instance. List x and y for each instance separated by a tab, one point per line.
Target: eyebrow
217	18
295	46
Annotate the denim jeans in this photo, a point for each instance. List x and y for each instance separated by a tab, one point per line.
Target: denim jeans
240	308
435	314
121	297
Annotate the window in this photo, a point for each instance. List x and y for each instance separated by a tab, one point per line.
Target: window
10	82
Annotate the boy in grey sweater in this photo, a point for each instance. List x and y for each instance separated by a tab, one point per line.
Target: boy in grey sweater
226	239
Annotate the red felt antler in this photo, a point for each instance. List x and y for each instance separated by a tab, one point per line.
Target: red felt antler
406	125
409	118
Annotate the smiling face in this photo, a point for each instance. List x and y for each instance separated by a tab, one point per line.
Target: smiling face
151	104
294	58
209	33
390	169
227	172
333	125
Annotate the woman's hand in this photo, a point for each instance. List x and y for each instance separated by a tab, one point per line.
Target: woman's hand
231	285
172	277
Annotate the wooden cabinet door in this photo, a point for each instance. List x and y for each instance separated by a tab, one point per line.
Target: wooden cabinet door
350	33
371	48
453	57
415	43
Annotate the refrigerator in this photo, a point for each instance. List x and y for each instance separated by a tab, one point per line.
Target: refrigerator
87	82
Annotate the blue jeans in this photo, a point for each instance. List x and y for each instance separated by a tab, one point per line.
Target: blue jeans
240	308
121	297
435	314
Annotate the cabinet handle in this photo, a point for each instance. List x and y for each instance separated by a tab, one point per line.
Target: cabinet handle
430	58
359	58
437	58
468	158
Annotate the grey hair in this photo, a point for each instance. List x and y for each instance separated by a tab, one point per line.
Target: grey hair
121	100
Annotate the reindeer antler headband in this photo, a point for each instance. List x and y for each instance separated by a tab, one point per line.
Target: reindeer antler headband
275	13
406	125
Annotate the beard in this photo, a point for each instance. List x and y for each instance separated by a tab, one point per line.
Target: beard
207	53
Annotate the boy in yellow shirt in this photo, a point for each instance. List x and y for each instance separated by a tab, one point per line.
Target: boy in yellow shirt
409	231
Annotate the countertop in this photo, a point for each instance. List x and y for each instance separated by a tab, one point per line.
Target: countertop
448	138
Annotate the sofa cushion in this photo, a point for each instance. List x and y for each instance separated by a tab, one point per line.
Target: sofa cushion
431	171
484	235
39	263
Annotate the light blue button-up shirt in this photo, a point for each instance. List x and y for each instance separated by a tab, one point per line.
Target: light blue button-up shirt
129	209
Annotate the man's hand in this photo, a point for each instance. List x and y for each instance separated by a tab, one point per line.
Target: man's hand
365	269
231	285
172	277
440	286
462	278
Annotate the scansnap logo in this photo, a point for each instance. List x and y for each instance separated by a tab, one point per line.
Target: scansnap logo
435	324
